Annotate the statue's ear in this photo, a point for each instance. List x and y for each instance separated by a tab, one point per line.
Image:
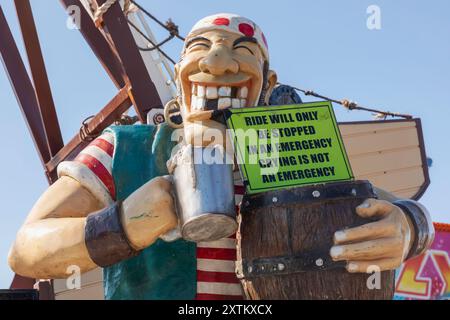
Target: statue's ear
172	110
271	83
172	114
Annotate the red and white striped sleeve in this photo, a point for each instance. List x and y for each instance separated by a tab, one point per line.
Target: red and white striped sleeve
93	168
216	264
216	277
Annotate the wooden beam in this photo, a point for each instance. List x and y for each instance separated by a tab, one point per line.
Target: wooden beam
39	74
111	112
23	88
101	48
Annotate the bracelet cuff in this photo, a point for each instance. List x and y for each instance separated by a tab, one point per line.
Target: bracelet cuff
105	237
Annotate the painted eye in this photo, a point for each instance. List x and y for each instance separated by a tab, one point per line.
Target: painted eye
244	49
199	45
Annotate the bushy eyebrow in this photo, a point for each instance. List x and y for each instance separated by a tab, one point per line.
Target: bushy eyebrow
244	39
196	39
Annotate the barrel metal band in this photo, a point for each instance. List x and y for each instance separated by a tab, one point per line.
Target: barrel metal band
285	265
308	194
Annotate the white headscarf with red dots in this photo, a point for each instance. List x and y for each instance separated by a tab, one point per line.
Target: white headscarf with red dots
232	23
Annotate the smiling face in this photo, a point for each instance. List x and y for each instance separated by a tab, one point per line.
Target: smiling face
219	70
224	64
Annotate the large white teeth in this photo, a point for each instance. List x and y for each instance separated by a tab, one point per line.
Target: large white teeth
235	103
201	102
225	91
224	103
193	102
226	96
197	103
243	93
200	91
211	93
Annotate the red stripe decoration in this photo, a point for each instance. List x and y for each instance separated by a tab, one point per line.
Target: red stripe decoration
104	145
239	189
223	277
207	296
216	253
99	170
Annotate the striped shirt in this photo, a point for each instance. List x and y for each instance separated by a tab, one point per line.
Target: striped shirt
216	278
97	156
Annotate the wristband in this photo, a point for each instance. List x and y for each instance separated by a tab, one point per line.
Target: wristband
105	237
423	227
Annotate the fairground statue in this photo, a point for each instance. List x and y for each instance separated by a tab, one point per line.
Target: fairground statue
114	205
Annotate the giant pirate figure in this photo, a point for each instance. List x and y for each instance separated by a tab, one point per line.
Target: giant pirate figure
113	204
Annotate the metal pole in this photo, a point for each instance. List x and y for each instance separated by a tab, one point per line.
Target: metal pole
143	91
41	84
111	112
23	88
101	48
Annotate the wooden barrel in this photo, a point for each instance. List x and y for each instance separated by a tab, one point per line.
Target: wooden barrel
284	241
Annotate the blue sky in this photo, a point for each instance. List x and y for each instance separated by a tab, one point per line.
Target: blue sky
320	45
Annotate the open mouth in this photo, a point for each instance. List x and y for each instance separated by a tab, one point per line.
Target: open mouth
218	97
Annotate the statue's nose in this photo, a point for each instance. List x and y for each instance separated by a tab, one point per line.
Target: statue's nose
218	62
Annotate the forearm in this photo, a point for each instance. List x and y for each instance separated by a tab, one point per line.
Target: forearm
46	248
58	235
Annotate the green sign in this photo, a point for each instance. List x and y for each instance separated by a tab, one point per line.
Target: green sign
285	146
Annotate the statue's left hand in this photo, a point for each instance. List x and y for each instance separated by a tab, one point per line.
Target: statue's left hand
384	243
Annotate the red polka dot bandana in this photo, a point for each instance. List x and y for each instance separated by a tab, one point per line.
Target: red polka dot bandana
232	23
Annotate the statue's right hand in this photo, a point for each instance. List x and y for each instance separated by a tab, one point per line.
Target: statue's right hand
149	212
